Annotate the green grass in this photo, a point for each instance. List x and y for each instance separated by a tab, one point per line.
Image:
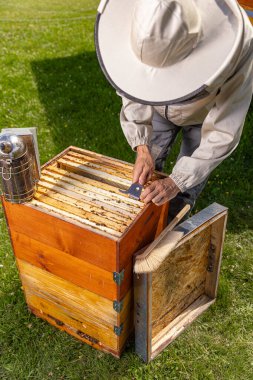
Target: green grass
50	78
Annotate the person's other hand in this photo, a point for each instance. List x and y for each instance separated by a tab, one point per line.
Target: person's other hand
160	191
144	165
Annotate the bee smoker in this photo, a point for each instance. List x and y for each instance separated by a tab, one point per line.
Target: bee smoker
16	169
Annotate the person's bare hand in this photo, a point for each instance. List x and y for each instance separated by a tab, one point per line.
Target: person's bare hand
144	165
160	191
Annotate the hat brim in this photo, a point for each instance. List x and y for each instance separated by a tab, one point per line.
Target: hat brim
222	34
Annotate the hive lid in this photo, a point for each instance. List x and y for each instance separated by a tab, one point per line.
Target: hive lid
172	297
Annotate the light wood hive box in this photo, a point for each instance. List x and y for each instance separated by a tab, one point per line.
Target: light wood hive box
74	244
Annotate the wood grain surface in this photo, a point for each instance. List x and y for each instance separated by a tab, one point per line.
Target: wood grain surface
77	192
71	268
88	184
102	158
218	231
101	207
163	219
180	280
248	4
107	202
74	319
138	235
78	334
67	294
179	324
77	208
123	173
75	306
92	173
62	235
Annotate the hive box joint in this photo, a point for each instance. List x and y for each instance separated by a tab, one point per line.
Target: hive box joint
118	306
118	277
118	330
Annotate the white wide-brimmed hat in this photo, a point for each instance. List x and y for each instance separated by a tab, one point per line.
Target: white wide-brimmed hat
165	51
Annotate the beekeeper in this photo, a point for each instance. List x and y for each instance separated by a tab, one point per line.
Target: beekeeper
179	66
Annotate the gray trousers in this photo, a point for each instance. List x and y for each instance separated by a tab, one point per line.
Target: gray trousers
164	135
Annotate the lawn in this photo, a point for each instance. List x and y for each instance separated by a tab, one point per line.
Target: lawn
50	78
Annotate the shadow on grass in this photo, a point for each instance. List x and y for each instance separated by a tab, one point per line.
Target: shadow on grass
81	107
83	110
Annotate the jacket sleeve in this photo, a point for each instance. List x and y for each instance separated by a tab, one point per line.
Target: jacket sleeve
136	122
221	130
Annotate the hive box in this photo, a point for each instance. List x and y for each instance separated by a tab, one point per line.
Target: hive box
74	245
168	300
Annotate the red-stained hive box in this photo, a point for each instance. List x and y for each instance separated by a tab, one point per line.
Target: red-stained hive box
74	244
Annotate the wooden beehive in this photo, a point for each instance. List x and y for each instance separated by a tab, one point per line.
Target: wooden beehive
74	243
169	299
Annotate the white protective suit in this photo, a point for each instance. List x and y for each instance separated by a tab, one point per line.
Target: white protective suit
221	110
